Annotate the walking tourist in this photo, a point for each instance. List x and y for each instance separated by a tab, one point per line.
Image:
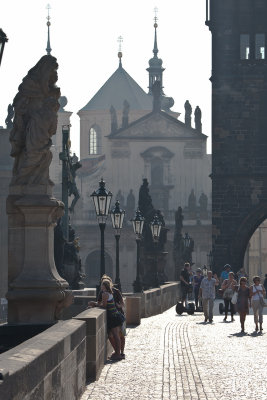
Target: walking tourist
225	272
185	282
228	287
207	292
243	300
257	293
197	278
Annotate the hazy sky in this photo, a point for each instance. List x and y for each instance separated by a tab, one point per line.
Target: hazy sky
84	37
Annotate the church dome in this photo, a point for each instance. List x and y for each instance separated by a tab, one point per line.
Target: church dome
155	62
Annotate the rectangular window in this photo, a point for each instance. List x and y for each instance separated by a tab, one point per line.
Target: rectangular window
260	46
244	47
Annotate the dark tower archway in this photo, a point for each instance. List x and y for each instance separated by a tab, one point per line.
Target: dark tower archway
239	125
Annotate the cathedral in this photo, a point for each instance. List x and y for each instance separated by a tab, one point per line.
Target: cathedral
127	135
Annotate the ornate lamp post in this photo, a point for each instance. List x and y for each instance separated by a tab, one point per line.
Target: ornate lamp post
138	224
210	259
117	216
3	40
155	226
102	199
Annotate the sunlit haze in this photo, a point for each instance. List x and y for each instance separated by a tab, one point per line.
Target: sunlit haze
84	38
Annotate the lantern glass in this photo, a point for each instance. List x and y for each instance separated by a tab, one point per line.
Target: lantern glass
102	199
138	223
155	227
117	216
187	240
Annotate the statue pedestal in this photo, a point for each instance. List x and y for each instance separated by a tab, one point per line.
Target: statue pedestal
36	292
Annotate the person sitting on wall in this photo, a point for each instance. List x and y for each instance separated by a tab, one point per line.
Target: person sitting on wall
185	282
120	305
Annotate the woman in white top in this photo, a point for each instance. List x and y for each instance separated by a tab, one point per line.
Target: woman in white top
257	292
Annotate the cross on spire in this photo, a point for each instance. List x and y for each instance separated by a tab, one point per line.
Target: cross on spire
120	40
48	47
156	12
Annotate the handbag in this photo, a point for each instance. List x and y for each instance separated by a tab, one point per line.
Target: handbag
228	294
234	298
262	302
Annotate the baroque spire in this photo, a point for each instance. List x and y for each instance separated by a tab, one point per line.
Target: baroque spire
48	47
120	40
155	69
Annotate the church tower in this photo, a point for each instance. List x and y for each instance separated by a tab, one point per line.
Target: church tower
239	125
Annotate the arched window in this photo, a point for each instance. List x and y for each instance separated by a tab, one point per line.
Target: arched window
93	145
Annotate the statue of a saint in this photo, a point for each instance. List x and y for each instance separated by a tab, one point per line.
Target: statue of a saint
192	201
188	113
35	122
114	120
10	115
130	204
125	114
203	202
198	115
120	198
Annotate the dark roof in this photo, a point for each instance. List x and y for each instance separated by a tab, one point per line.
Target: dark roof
119	87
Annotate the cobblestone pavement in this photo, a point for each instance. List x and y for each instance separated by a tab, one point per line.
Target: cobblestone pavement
181	357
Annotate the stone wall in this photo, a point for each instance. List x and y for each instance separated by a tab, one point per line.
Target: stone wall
153	301
50	366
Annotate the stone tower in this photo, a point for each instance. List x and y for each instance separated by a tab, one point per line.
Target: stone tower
239	125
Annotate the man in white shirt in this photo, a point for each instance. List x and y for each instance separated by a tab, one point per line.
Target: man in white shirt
207	292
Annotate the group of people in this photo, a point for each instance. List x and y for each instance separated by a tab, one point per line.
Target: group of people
237	295
111	299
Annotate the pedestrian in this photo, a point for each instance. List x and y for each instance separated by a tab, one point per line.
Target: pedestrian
228	287
257	293
114	318
197	278
243	301
265	284
207	292
120	305
225	272
185	282
241	273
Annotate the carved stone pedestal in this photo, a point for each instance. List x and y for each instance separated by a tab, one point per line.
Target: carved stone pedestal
36	292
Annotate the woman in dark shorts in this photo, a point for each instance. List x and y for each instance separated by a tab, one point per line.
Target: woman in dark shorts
114	318
243	299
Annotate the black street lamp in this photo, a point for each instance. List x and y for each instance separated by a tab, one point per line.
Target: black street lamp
117	216
138	224
155	227
102	199
3	40
188	248
205	270
210	259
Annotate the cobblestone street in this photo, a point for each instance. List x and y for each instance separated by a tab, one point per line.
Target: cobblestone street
181	357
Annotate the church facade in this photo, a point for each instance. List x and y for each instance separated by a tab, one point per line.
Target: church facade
127	135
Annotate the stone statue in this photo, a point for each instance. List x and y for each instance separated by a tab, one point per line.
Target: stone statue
67	258
145	202
178	243
188	113
203	202
63	101
72	187
192	201
130	204
114	121
10	115
59	243
36	106
120	198
125	114
198	115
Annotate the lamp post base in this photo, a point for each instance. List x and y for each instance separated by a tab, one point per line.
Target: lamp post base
137	285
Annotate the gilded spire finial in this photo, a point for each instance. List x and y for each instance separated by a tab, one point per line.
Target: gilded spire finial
155	50
48	48
120	40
